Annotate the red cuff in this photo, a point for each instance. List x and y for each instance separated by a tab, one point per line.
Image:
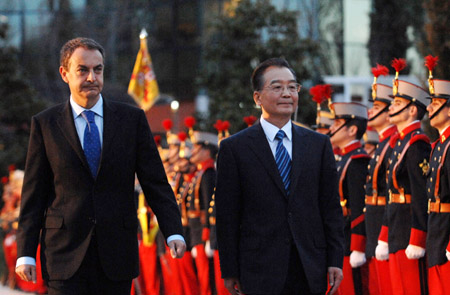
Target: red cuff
384	234
205	234
358	243
418	238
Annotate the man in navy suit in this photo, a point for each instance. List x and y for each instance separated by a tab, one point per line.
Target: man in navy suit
78	192
279	221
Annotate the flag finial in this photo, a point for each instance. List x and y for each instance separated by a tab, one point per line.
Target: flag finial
143	34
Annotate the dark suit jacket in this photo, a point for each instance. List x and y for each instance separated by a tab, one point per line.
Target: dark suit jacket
257	223
62	202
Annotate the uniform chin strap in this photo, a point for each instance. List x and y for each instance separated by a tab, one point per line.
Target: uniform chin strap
439	109
393	115
330	134
386	108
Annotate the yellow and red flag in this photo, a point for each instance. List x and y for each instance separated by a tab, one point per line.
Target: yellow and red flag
143	86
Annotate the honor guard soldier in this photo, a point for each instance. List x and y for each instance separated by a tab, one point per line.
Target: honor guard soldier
346	132
370	140
324	121
376	191
184	167
200	193
403	234
438	187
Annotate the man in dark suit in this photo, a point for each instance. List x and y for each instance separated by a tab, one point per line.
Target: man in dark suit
279	221
78	193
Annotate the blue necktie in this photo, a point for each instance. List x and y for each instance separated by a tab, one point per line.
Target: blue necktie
91	145
283	160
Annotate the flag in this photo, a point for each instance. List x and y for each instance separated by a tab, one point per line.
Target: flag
143	86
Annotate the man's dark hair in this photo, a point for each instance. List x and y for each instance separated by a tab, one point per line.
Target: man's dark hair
70	46
257	76
361	124
420	111
211	148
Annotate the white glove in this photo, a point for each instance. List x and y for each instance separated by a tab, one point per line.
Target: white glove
447	254
357	259
194	252
382	251
414	252
209	252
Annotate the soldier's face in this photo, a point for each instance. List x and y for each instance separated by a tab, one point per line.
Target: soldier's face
277	104
382	119
340	137
442	119
398	104
84	76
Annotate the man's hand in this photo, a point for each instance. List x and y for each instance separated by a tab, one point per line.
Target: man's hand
357	258
233	286
414	252
335	277
382	251
447	254
27	272
177	248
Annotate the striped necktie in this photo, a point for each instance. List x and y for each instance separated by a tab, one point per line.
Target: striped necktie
283	161
91	145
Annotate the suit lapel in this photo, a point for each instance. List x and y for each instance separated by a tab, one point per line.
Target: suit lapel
259	145
67	126
299	155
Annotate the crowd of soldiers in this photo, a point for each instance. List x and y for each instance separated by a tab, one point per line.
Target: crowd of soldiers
394	189
394	194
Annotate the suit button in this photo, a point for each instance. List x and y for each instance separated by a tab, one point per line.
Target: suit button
92	219
287	241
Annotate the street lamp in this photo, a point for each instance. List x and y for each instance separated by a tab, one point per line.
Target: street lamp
174	106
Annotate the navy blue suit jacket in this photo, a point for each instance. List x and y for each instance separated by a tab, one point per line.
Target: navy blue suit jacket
257	222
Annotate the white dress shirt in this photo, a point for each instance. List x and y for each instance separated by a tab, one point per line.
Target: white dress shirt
271	130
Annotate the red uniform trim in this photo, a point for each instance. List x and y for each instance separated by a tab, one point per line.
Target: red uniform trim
387	133
418	237
350	148
409	129
358	243
357	221
419	137
394	139
205	234
383	236
359	156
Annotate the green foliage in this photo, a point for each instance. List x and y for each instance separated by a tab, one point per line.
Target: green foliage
238	41
437	35
389	21
19	101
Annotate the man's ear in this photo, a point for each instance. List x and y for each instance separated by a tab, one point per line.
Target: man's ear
257	98
352	130
63	74
413	111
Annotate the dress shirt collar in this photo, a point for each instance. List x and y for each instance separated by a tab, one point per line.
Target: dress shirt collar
271	130
77	109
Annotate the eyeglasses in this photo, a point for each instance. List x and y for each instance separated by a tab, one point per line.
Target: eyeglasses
279	88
